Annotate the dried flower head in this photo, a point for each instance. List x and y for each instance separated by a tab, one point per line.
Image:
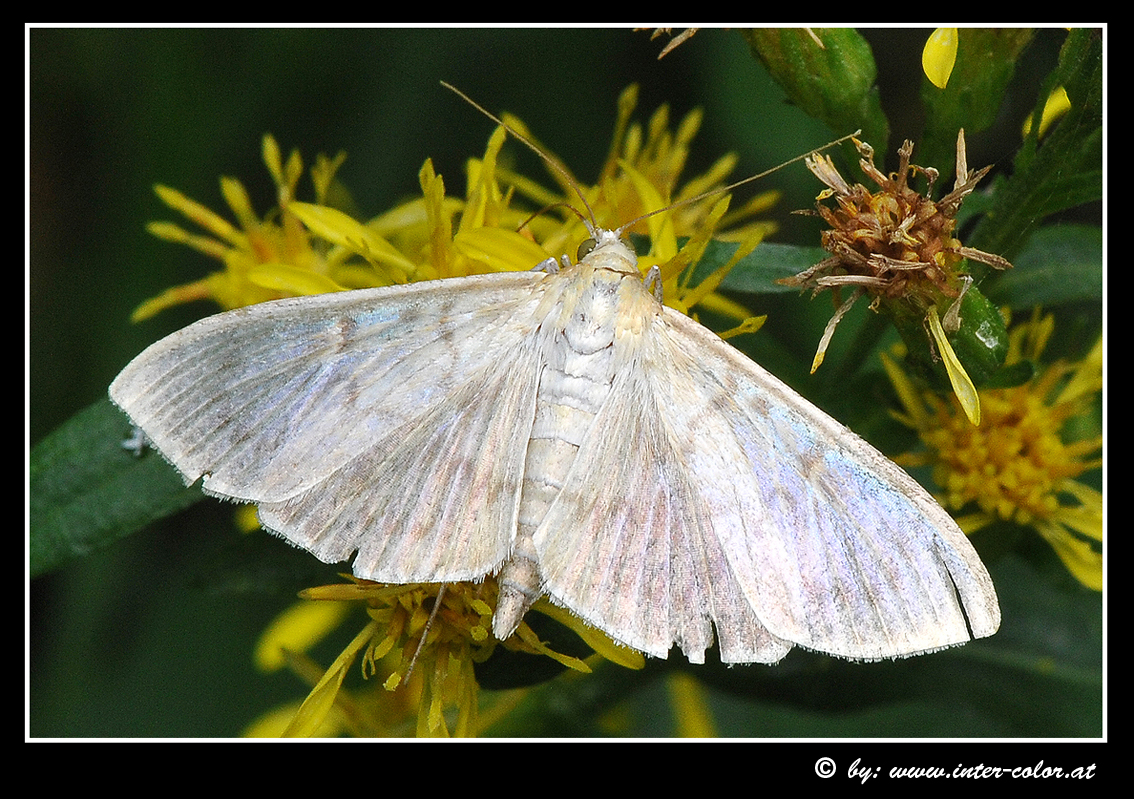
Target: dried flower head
896	244
674	42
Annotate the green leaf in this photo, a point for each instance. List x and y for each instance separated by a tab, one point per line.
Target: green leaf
88	491
758	272
1062	170
1060	264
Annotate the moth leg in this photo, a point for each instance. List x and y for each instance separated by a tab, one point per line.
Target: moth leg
549	265
425	632
137	442
653	282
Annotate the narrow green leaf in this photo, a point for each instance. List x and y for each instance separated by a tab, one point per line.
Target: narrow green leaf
1060	264
87	490
758	272
1062	170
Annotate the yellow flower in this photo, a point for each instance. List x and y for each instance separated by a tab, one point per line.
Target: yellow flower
310	248
263	259
1016	465
421	641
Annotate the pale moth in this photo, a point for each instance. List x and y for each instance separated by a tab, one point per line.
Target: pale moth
565	431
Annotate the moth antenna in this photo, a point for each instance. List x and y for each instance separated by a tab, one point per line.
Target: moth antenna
592	224
547	208
732	186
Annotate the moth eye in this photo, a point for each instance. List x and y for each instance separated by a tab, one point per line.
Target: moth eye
585	249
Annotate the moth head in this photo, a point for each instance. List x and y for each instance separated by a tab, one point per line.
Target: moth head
610	240
586	247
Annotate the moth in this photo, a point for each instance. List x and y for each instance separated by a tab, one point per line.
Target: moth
565	431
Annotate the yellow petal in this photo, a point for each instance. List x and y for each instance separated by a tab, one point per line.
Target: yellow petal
939	55
596	640
319	702
1056	106
691	703
298	628
1081	559
338	228
292	280
962	385
663	241
499	249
